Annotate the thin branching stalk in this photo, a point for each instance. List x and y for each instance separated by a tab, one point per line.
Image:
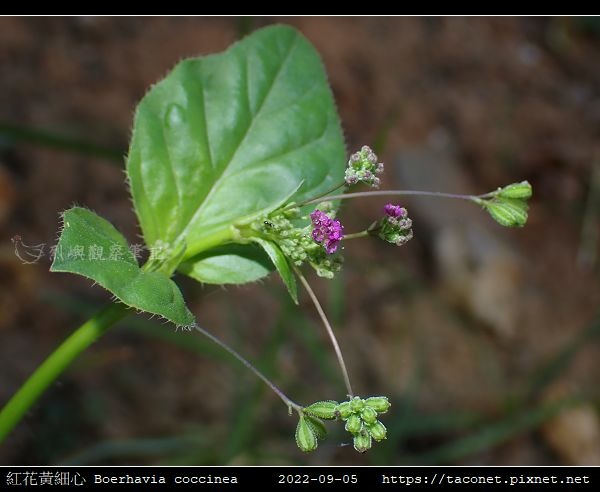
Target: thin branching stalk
356	235
329	329
363	194
289	402
318	198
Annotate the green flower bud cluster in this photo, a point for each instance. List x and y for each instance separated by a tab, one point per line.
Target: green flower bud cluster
361	420
363	168
284	227
394	227
508	205
360	415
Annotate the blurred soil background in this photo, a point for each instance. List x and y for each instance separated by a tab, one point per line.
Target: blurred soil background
485	339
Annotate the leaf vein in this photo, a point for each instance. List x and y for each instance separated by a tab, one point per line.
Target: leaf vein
245	134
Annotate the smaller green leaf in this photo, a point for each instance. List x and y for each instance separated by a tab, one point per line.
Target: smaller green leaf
323	409
362	441
377	430
378	403
508	212
317	426
520	190
281	264
90	246
305	436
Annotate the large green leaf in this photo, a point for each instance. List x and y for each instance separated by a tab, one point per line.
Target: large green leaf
230	264
224	139
92	247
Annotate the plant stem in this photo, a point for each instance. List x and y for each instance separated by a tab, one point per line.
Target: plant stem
317	198
356	235
56	363
329	329
363	194
288	401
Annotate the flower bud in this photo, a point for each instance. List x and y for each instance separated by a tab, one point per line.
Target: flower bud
377	430
378	403
362	441
344	410
368	415
357	404
323	409
520	190
317	426
354	424
306	439
508	212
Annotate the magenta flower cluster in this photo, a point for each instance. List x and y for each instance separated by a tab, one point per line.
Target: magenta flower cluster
326	231
395	211
394	227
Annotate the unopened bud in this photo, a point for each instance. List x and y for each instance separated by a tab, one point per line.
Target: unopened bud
508	212
323	409
344	410
362	441
368	415
521	190
354	424
357	404
378	403
377	430
317	426
305	436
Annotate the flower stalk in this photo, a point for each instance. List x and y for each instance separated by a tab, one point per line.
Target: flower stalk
329	330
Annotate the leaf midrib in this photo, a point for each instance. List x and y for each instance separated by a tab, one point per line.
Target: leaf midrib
221	176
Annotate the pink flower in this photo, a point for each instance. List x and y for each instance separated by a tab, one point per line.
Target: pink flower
326	231
395	211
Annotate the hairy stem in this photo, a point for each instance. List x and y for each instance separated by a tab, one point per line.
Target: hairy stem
363	194
329	329
288	401
56	363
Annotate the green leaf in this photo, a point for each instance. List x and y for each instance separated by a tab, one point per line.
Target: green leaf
90	246
305	436
225	138
323	409
281	264
229	264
